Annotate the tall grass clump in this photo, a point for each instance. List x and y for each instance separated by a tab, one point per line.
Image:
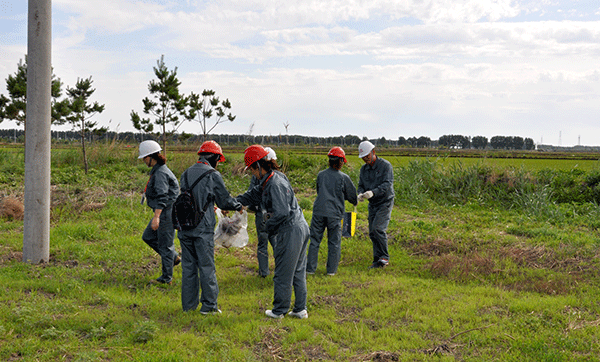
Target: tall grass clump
548	194
413	183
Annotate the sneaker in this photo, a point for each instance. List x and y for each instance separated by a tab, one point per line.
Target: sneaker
331	274
310	273
303	314
177	260
269	313
211	312
383	262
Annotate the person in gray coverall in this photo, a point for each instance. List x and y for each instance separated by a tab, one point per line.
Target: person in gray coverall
376	184
284	218
198	245
333	188
161	191
262	247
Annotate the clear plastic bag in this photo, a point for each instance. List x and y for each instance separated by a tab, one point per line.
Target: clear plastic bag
231	231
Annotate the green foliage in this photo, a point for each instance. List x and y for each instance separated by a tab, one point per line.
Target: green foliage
145	331
167	105
14	107
486	265
205	107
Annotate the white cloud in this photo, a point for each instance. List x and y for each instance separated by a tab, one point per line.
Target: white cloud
412	68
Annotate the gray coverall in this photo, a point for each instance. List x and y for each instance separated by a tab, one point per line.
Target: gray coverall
262	247
284	218
333	188
378	178
198	245
161	191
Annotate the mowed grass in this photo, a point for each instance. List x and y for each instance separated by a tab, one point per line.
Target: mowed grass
469	281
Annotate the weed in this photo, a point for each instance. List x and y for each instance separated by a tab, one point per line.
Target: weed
145	331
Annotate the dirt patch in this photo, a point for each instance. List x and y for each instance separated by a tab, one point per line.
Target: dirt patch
461	266
352	285
315	353
540	257
270	348
8	256
435	248
558	285
380	356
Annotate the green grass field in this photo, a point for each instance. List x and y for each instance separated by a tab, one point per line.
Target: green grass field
492	259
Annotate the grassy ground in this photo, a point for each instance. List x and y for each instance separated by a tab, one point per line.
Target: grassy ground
468	281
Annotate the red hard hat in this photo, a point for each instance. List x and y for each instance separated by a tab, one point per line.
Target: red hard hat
212	147
254	153
337	152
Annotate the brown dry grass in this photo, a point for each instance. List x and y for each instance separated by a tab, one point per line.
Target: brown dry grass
446	259
11	208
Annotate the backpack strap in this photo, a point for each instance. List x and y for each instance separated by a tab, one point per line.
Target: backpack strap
196	182
199	178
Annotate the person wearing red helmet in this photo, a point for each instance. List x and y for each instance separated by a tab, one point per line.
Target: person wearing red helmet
284	218
263	237
333	188
197	245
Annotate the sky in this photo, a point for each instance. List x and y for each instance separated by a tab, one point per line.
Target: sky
371	68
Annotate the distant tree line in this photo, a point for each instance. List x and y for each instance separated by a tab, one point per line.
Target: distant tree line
481	142
446	141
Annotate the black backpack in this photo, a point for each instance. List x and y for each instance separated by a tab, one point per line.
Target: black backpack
185	214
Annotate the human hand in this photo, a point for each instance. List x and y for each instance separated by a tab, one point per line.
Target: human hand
368	194
360	197
155	223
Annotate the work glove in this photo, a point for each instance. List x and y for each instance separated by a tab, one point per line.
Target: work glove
368	194
360	197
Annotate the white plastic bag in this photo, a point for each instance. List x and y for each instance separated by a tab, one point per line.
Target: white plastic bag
231	230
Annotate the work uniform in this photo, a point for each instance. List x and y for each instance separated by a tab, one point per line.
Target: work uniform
378	178
161	191
333	188
198	245
284	218
263	237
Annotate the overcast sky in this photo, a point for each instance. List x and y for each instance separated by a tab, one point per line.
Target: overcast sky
374	68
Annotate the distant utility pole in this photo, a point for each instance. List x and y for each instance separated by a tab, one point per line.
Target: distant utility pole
36	223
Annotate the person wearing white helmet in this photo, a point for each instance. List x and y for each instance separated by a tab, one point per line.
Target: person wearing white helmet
376	184
161	191
263	237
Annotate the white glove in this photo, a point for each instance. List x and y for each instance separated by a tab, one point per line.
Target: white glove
368	194
360	197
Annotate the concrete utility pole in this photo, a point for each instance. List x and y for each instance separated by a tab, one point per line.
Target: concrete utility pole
36	224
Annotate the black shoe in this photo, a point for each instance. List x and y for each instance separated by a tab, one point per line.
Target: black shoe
177	260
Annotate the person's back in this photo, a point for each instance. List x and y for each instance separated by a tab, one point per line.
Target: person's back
333	189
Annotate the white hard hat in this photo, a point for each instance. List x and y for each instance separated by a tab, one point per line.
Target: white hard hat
271	154
149	147
364	148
